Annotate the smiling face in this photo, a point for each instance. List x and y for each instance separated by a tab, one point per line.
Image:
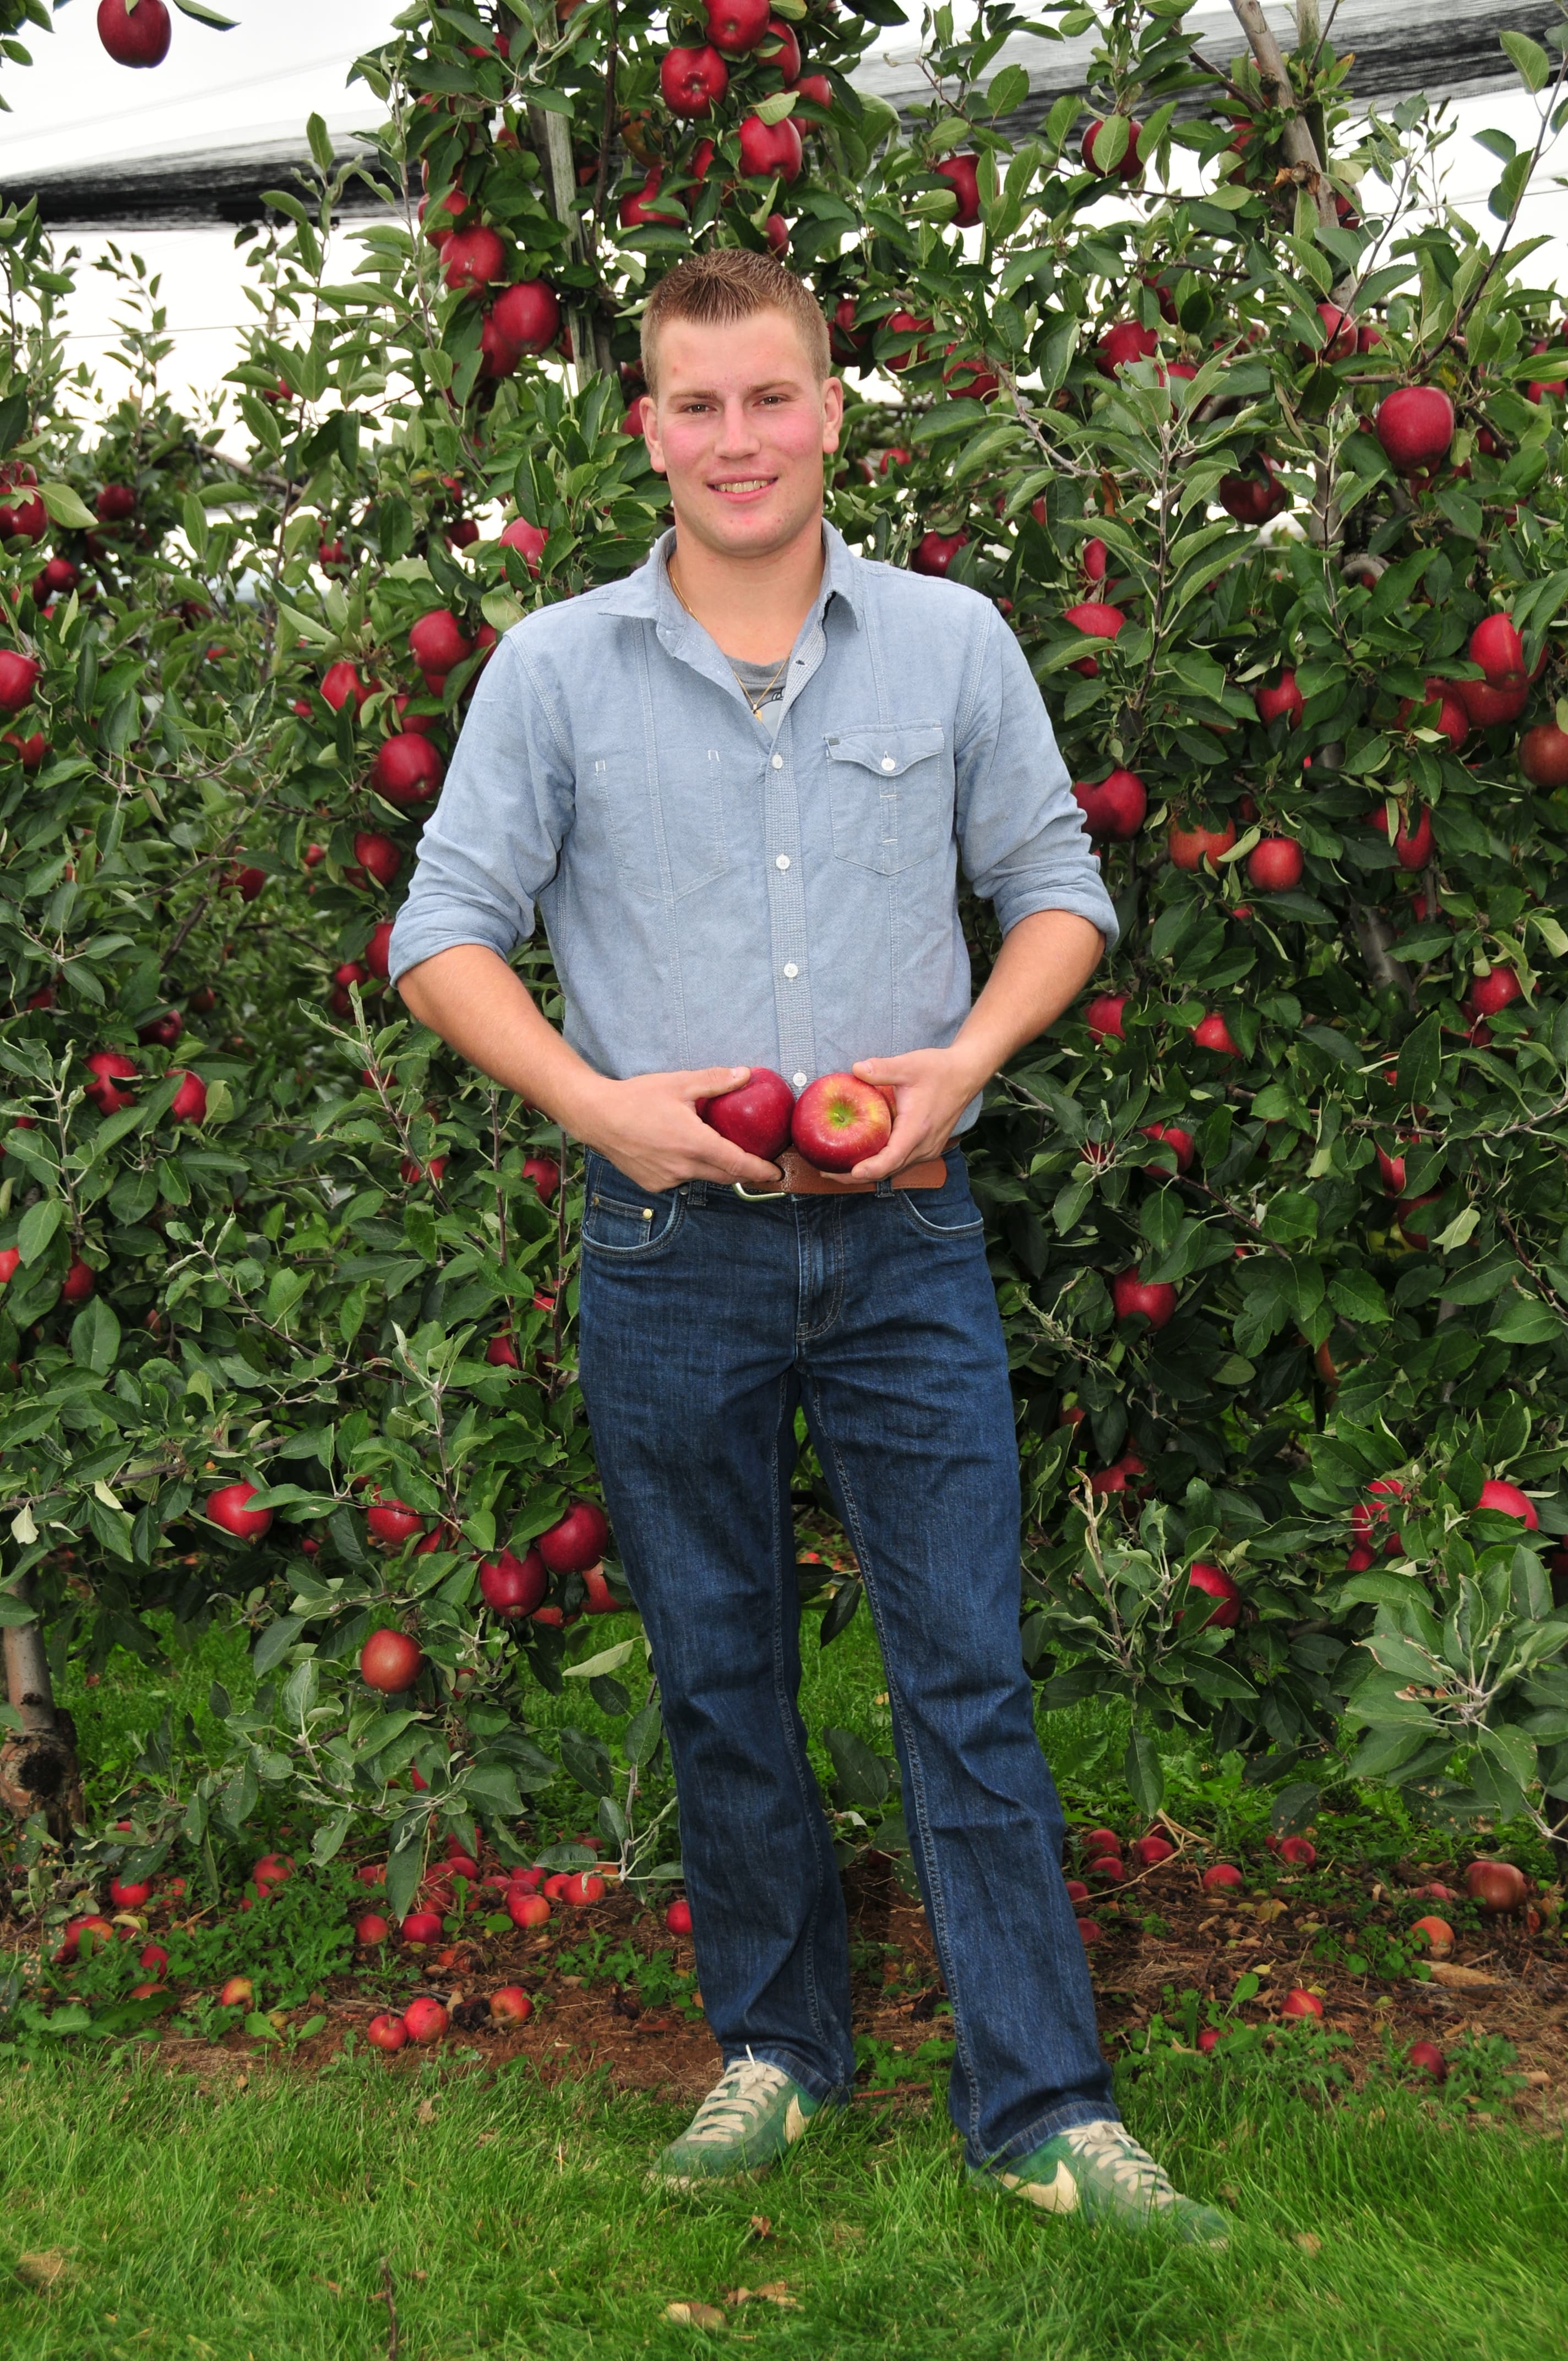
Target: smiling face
739	426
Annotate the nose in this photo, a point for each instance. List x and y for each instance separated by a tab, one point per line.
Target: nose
736	431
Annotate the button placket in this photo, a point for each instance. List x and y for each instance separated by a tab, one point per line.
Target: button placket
786	920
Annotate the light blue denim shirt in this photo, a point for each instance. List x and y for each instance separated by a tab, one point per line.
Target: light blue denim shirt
716	895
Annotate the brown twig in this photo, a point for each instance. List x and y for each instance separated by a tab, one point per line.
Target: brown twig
386	2296
606	125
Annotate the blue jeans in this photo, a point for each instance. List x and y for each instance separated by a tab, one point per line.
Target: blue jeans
705	1322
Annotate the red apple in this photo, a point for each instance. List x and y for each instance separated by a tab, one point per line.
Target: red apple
678	1917
1190	847
377	855
1103	1017
1130	163
1301	2004
582	1889
1255	498
781	49
818	91
1411	851
1211	1032
165	1029
1489	707
1154	1299
736	25
421	1927
1281	696
1122	344
227	1507
1437	1934
528	315
904	326
29	752
108	1067
1452	718
512	1587
189	1104
340	682
1113	807
437	642
371	1929
272	1869
1077	1892
238	1992
1543	755
638	208
1298	1852
935	552
1427	2059
770	149
1215	1583
1150	1851
114	503
426	2020
386	2032
390	1661
78	1283
1509	1501
408	769
393	1521
576	1540
471	257
1208	2041
1497	648
132	1893
963	173
1276	865
528	540
693	80
1180	1143
378	950
510	2006
756	1116
153	1958
137	37
1096	620
1415	425
1223	1878
501	1354
1371	1515
839	1121
526	1909
1497	1885
1489	994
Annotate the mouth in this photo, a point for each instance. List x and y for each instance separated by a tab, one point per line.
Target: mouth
743	487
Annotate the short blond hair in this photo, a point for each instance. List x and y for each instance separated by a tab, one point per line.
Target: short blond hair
732	283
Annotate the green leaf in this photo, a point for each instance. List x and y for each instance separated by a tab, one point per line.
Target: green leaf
66	507
1421	1062
276	1641
96	1337
609	1660
863	1780
1143	1773
37	1227
1534	63
1526	1320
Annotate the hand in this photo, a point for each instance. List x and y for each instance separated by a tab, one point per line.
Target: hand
933	1087
650	1128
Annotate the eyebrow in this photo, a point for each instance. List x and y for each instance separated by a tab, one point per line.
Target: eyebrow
710	393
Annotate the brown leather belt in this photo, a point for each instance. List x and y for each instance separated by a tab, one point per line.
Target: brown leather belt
803	1179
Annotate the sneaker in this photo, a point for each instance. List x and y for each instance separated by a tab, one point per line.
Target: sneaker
1099	2170
753	2115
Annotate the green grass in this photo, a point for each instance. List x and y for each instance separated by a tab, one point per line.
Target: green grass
514	2222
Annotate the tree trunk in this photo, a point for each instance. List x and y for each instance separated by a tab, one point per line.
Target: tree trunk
37	1765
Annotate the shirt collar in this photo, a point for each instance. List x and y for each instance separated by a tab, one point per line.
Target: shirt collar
647	591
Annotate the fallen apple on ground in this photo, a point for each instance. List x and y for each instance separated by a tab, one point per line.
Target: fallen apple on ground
1301	2004
510	2005
425	2020
386	2032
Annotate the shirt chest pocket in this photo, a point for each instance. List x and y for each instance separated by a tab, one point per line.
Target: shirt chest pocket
892	788
667	825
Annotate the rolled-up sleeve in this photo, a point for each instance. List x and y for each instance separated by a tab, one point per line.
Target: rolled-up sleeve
494	841
1021	834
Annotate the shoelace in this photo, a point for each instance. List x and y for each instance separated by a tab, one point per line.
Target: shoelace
1109	2147
733	2106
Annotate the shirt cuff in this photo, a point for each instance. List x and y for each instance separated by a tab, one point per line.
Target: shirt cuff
1086	902
419	935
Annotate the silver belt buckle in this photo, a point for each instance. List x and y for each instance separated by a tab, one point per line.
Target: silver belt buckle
759	1196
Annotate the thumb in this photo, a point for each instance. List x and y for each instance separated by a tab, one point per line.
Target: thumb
713	1082
879	1070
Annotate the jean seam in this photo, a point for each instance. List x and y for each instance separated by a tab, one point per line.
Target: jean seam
804	1780
939	1902
832	1231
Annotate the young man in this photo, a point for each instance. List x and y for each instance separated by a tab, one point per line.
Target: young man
739	785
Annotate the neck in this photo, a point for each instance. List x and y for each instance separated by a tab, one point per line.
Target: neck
752	606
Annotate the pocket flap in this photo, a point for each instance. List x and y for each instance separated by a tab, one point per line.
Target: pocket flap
888	750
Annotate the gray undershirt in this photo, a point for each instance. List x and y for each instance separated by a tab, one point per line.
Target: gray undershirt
754	679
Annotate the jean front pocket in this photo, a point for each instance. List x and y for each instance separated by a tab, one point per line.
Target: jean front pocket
891	795
623	1223
949	1212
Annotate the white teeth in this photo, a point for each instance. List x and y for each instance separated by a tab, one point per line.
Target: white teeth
745	484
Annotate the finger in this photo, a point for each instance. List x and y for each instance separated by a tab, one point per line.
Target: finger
879	1071
731	1163
712	1082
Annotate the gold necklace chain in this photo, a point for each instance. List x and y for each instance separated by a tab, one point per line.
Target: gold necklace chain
756	709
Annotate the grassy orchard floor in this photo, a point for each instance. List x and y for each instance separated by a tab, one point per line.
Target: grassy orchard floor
251	2224
210	2196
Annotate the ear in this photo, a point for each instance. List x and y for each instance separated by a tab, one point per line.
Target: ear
832	411
651	437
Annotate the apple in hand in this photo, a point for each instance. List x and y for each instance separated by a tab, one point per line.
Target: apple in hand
840	1120
756	1116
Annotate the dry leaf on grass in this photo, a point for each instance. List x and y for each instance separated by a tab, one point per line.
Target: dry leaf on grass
695	2315
425	2112
1309	2241
1449	1971
775	2291
761	2227
45	2271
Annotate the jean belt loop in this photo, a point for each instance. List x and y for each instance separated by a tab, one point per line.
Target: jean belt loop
696	1192
884	1187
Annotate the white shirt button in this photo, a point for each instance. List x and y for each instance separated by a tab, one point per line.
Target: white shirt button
790	968
778	761
783	861
887	762
799	1080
